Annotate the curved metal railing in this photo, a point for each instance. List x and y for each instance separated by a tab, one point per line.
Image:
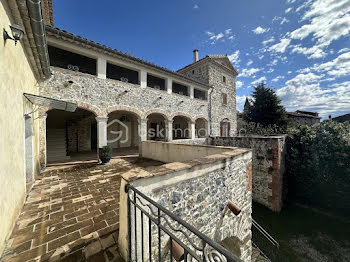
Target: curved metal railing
157	234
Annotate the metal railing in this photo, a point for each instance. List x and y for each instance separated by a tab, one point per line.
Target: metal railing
156	234
265	243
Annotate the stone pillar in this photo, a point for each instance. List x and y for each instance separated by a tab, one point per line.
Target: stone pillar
191	92
143	78
143	129
192	130
169	85
42	141
101	131
101	68
169	130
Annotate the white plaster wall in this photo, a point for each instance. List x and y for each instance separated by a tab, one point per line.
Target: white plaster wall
16	77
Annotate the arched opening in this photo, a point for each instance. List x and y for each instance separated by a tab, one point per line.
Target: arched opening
181	127
70	136
225	127
201	128
123	132
156	127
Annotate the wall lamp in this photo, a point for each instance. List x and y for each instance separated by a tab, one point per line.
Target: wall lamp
234	208
17	33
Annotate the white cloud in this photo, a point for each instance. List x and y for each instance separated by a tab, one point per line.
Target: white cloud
259	80
270	40
327	21
239	84
273	62
261	57
249	72
284	20
288	10
338	67
290	1
276	79
227	34
240	100
304	92
234	58
343	50
196	6
250	62
312	52
259	30
281	46
270	70
228	31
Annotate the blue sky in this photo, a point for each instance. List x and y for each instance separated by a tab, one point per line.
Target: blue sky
300	47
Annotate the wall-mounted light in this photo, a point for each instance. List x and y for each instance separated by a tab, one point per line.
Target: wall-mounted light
17	33
234	208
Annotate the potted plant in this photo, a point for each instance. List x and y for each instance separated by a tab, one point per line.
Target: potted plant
105	154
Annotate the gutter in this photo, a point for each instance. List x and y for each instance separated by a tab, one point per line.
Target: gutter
38	27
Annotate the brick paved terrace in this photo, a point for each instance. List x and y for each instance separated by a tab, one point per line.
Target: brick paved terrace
72	214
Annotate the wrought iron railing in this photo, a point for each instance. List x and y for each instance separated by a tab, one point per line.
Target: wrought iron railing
156	234
265	243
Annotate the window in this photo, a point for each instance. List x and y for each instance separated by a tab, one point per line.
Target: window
192	72
68	60
225	127
224	99
200	94
155	82
180	89
224	79
122	74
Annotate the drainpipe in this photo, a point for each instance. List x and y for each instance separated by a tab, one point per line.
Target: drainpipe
38	27
209	112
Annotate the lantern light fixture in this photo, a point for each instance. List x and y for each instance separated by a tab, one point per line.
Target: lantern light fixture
17	33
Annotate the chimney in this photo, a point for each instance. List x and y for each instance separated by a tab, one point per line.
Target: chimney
195	55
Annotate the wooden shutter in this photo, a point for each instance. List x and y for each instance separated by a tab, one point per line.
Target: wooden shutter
224	99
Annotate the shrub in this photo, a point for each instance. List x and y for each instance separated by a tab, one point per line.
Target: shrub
318	165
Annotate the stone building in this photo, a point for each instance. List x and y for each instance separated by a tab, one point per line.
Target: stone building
120	94
304	118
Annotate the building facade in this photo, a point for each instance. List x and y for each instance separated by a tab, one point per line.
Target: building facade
304	118
123	100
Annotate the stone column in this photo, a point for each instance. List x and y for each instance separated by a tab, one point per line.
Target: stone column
143	129
169	130
101	68
101	131
192	130
143	78
191	92
169	85
42	141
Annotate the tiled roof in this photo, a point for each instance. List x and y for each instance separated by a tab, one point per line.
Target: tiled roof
302	115
213	58
62	33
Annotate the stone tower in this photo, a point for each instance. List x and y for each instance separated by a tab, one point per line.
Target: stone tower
217	71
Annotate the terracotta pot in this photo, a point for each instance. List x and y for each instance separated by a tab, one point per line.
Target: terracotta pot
178	251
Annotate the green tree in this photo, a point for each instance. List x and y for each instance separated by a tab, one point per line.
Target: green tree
266	108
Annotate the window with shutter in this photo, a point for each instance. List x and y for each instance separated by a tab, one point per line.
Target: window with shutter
224	99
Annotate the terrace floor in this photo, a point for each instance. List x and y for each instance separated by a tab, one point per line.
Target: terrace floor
72	214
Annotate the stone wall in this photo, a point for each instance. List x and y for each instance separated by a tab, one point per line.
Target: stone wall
198	191
268	165
106	95
79	135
